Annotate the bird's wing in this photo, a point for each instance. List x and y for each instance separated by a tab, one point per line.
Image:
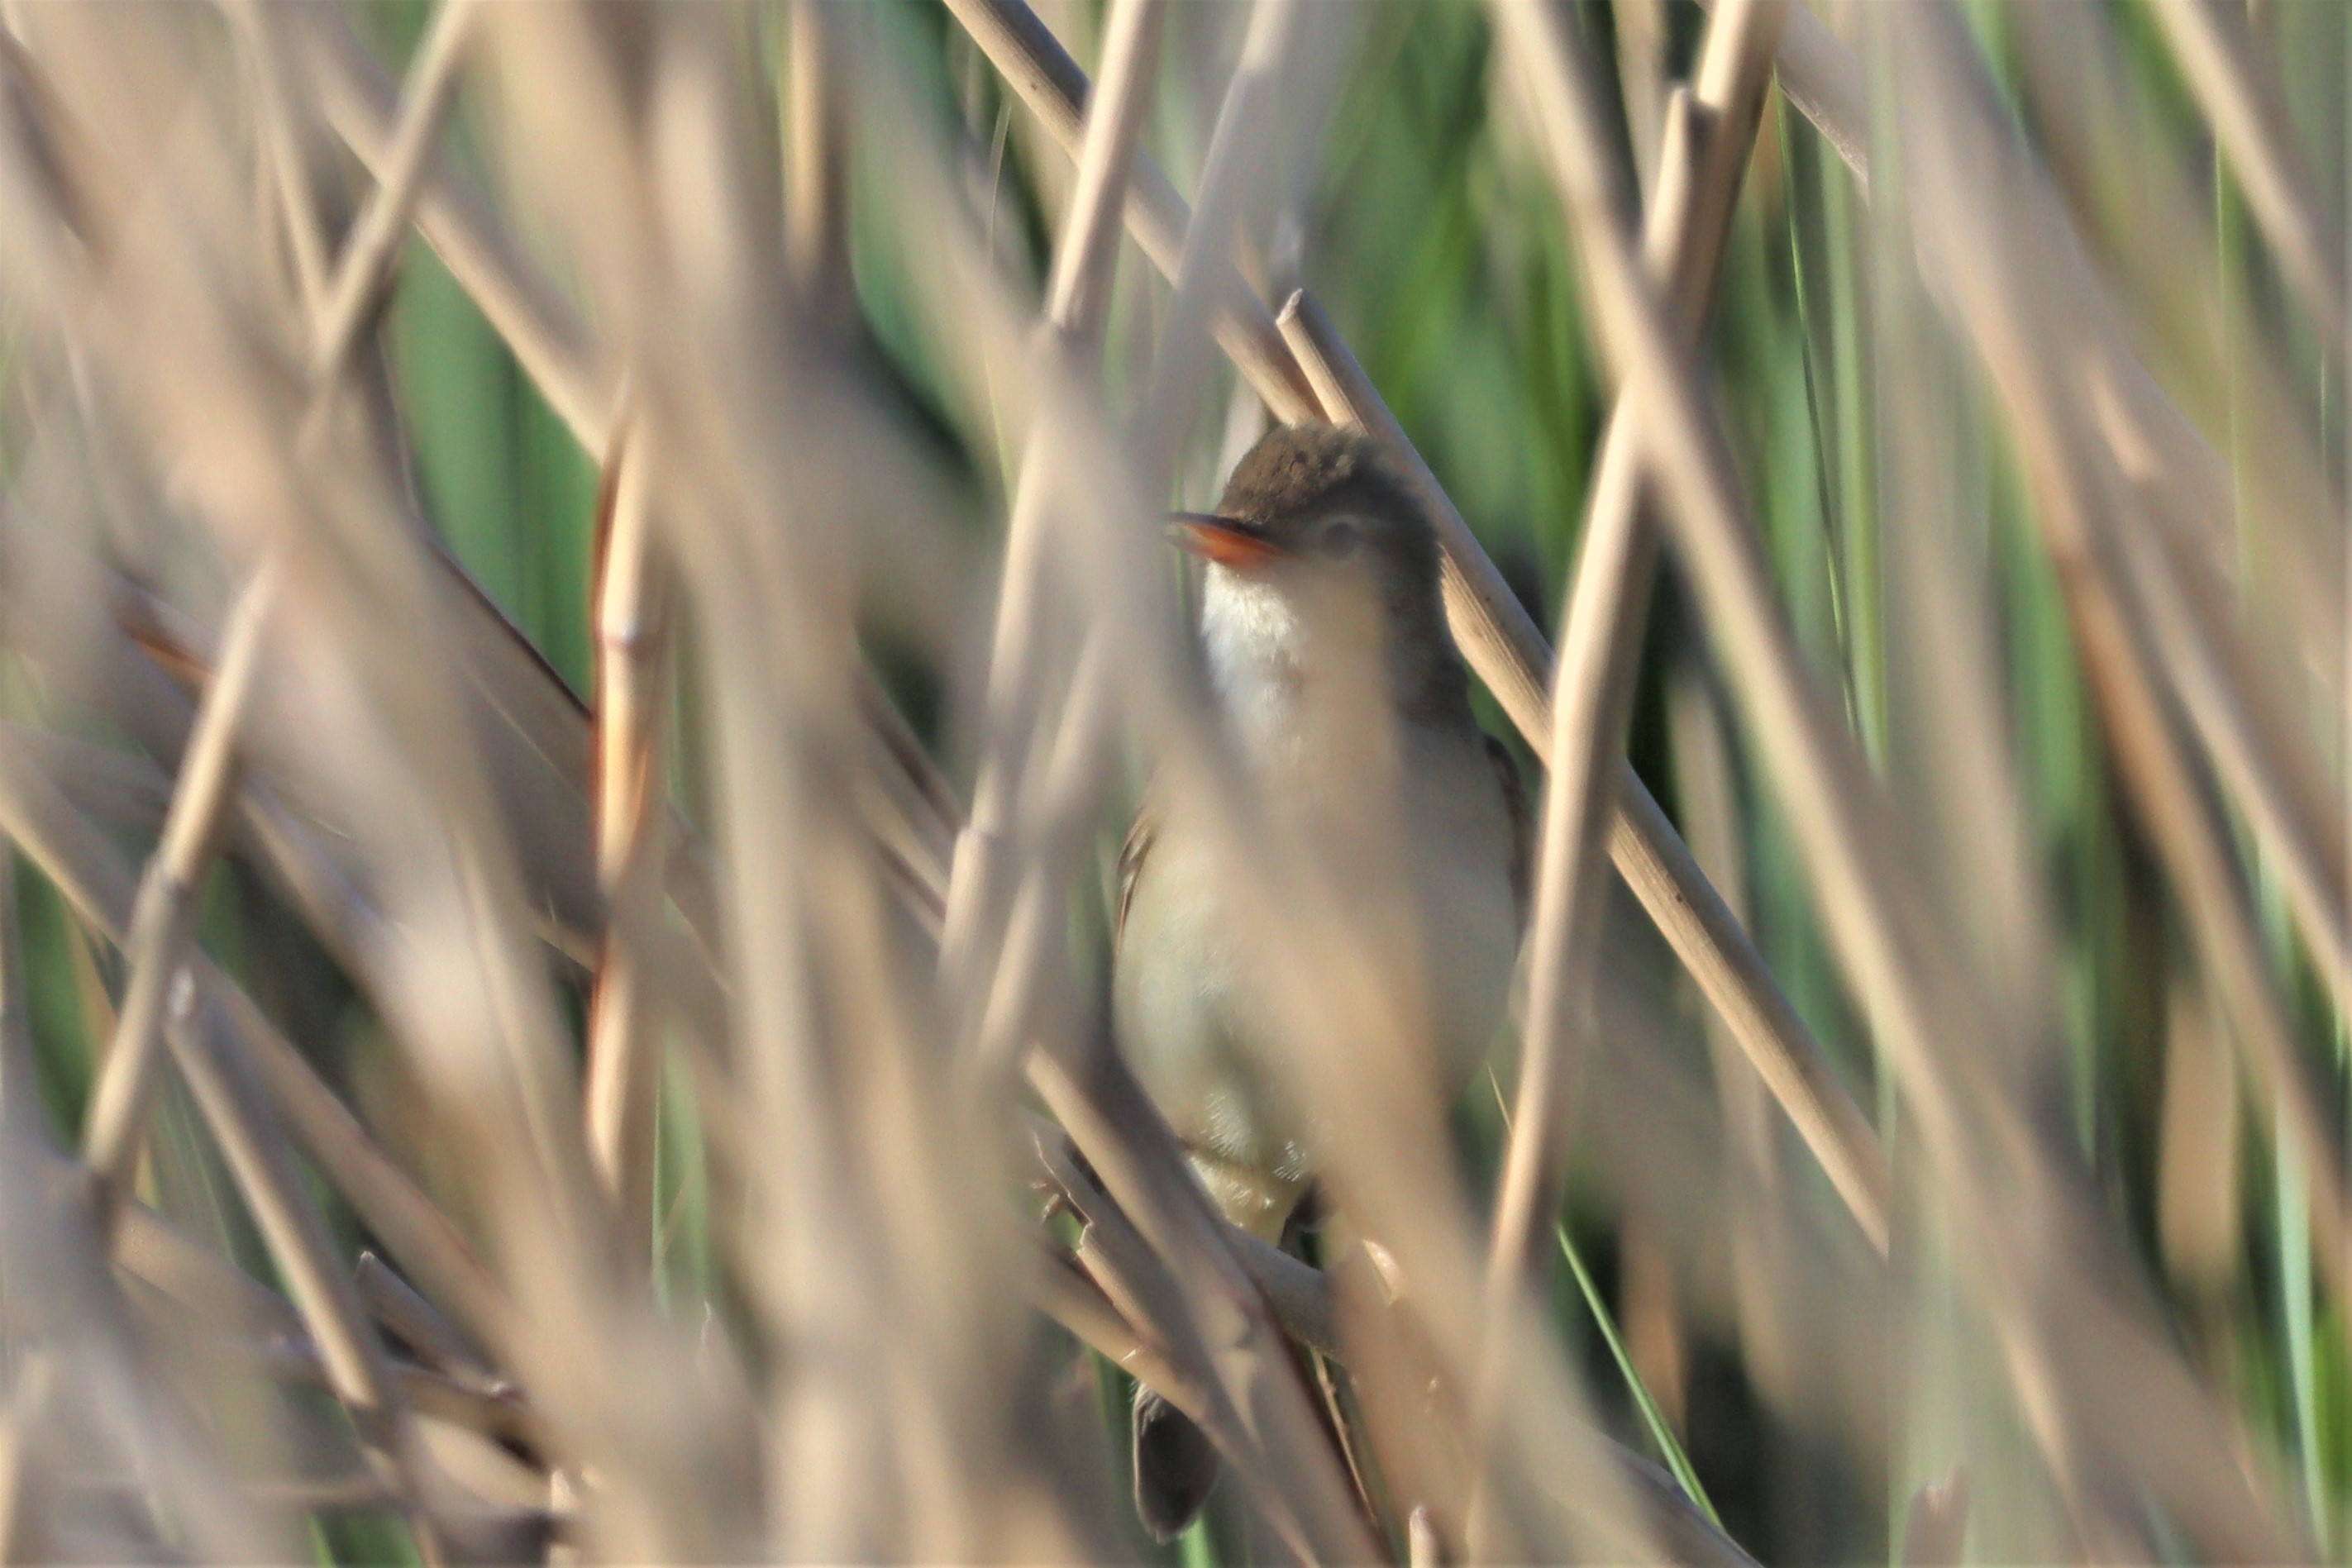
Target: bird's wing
1523	824
1130	863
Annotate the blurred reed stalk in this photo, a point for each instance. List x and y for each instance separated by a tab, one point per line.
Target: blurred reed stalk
442	1117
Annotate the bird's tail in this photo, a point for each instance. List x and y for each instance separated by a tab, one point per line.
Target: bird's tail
1175	1466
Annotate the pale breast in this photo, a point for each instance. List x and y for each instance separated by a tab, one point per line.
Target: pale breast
1186	1011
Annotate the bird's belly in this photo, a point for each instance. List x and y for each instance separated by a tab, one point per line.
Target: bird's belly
1201	1037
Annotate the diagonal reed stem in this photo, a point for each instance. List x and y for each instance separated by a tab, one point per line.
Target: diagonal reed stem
166	911
632	806
1708	135
163	916
1076	293
2216	48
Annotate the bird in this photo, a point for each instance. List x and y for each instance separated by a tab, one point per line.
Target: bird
1323	629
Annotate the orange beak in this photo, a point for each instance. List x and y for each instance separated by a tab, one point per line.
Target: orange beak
1221	539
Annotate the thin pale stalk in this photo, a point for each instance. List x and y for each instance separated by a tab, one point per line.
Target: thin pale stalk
2089	538
1819	75
306	240
1079	289
351	1356
1026	52
633	653
375	240
396	1304
1066	1293
525	309
2244	102
200	1036
1894	958
164	916
1705	934
89	872
2193	842
1075	295
816	189
1601	643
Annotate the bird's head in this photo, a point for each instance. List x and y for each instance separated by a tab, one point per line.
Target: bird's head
1318	547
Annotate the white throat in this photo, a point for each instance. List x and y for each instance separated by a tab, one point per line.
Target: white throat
1300	672
1258	653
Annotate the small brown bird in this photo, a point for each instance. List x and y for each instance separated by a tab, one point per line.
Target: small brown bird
1330	661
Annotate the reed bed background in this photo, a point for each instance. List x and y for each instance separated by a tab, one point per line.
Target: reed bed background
584	613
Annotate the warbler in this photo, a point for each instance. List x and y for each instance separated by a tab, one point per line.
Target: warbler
1324	630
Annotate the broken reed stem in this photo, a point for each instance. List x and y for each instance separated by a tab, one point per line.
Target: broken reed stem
2217	52
164	916
632	809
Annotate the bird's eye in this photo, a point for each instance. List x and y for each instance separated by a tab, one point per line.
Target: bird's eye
1340	540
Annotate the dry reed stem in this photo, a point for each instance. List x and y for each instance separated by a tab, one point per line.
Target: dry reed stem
206	1044
816	189
163	913
373	242
978	895
2089	534
1136	1281
1038	68
1705	933
1066	1292
275	89
1422	1214
546	335
1099	1101
1709	134
2242	101
89	872
397	1306
1607	606
2258	525
1298	1292
1892	960
1142	1165
354	1366
634	636
2182	625
19	1068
